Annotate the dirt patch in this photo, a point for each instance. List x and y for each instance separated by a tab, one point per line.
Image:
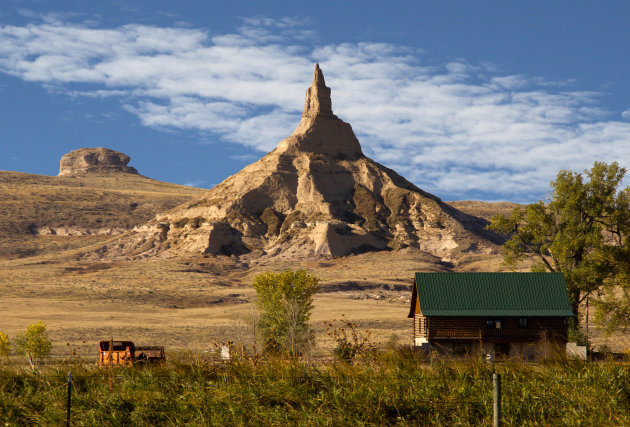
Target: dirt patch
86	269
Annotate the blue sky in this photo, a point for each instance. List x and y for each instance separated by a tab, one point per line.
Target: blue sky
483	100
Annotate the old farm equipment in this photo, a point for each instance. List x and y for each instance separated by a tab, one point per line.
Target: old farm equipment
125	353
150	354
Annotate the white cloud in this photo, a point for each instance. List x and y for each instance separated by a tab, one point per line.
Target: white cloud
246	158
453	129
197	184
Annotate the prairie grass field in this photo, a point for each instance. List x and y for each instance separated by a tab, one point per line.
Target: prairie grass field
189	304
387	388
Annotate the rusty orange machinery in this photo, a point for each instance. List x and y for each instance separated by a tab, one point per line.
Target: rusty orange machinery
125	353
116	353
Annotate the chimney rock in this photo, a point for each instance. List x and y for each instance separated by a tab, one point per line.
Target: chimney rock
317	102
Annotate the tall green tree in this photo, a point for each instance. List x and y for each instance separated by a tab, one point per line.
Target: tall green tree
285	301
583	231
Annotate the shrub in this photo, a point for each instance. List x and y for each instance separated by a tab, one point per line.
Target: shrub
5	345
351	342
34	342
285	300
578	336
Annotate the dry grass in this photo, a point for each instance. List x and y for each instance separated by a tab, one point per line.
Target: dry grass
194	303
117	201
191	303
485	210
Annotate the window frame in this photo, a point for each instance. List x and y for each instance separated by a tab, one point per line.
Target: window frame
494	323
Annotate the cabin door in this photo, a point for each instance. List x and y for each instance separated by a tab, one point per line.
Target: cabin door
502	349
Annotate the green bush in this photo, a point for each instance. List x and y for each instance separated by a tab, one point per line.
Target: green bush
34	342
578	335
285	300
5	346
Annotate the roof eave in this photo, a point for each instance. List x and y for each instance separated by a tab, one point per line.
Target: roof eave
455	313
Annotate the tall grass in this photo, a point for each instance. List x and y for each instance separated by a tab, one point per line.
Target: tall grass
388	389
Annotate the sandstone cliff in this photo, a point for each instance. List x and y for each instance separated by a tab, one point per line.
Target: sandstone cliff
315	195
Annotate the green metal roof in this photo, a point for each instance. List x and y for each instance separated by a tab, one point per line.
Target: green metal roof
493	294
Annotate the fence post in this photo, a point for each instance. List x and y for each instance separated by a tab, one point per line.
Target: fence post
69	399
496	407
110	361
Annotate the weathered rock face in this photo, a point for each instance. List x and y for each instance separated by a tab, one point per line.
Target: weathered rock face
320	131
315	195
94	160
318	102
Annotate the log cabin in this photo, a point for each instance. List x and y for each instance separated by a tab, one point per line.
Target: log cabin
521	315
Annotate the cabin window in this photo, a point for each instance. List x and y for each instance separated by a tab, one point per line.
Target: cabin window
493	324
461	348
522	322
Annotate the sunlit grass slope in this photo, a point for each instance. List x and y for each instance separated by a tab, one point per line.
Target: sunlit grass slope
89	204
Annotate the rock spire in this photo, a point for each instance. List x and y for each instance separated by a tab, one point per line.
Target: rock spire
317	102
320	131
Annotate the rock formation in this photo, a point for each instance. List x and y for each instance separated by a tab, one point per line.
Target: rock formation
315	195
94	160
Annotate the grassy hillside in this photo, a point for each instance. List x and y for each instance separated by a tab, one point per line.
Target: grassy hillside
485	210
33	206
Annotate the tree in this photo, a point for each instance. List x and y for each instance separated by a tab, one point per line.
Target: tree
285	300
582	231
612	310
5	346
34	342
